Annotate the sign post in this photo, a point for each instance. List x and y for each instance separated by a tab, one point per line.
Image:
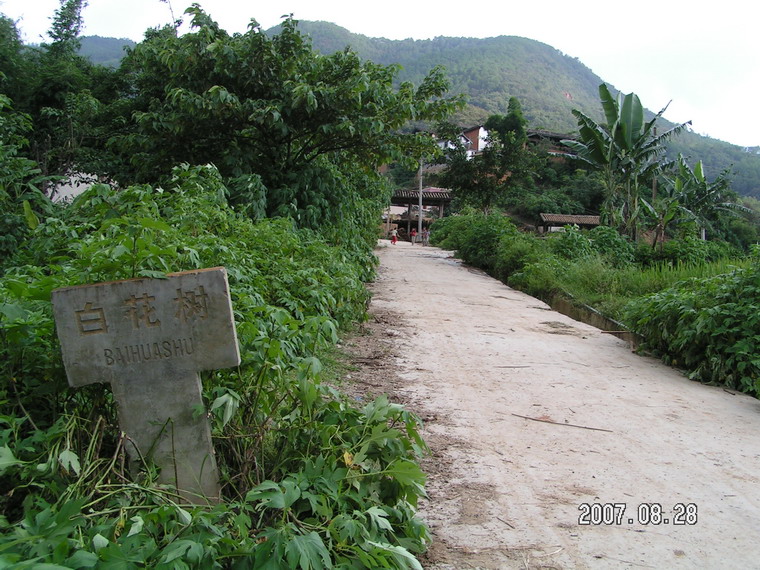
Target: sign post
149	339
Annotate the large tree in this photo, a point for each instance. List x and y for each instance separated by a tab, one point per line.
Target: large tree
268	107
486	180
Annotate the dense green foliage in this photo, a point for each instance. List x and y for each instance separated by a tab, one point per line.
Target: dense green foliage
548	83
693	301
710	327
688	199
309	480
59	90
19	177
303	122
250	152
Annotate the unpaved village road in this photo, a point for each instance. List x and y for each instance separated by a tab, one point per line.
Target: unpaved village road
470	355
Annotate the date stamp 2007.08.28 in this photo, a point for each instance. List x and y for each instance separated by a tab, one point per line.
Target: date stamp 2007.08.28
645	514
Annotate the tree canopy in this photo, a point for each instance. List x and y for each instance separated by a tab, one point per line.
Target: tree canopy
293	132
267	106
486	179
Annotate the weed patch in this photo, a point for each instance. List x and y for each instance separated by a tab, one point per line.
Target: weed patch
309	479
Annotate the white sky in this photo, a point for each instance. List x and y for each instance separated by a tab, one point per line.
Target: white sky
699	55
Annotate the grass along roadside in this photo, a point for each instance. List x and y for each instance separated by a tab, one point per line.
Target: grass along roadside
693	302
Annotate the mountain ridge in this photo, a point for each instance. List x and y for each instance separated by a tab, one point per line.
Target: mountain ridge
548	83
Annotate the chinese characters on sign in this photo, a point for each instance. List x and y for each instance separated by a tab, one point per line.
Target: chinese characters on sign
191	304
91	320
142	311
149	339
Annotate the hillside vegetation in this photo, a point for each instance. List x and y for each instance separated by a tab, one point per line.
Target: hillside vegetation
490	71
257	153
548	83
105	51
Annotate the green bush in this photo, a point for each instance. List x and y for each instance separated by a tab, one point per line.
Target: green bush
482	238
20	199
710	327
516	251
308	480
474	236
449	232
614	247
570	244
541	278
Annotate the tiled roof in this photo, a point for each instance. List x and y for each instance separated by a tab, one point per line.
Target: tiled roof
568	219
438	194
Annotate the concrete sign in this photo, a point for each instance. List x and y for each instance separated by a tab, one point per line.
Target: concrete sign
149	339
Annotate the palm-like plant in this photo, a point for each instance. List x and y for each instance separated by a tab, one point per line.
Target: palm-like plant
627	150
666	211
703	200
687	197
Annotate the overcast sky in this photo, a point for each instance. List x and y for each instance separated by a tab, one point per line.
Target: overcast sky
701	56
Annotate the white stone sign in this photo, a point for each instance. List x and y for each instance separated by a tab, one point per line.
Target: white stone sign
149	339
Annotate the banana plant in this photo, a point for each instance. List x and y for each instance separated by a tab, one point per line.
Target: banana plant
688	197
627	150
664	212
704	200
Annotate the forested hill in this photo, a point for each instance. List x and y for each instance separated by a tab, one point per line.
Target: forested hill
548	83
104	51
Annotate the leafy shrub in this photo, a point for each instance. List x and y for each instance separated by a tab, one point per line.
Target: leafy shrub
474	236
707	326
570	244
450	232
482	237
613	246
541	278
307	479
516	251
19	177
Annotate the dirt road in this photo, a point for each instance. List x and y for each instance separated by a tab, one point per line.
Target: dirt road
609	427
